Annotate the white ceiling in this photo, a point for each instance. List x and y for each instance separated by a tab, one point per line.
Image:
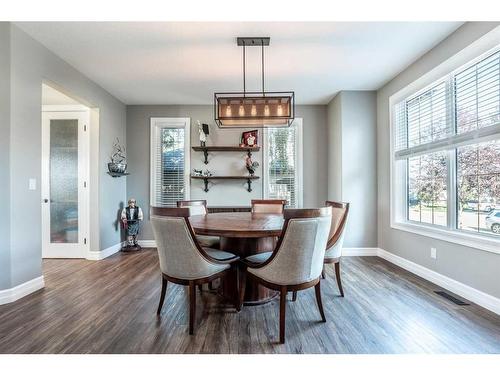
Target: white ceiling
185	63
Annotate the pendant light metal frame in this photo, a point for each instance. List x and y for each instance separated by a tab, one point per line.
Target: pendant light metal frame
259	101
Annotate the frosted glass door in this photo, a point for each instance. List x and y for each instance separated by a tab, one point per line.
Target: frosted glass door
63	181
64	184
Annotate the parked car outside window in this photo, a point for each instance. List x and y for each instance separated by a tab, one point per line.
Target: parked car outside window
493	221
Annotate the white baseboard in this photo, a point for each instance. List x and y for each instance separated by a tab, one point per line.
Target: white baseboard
360	251
99	255
480	298
20	291
147	243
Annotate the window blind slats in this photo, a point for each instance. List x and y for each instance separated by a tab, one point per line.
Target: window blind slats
477	95
169	183
172	167
282	168
460	105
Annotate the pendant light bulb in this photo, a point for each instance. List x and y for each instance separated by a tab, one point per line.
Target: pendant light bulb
253	112
280	110
241	111
228	111
266	110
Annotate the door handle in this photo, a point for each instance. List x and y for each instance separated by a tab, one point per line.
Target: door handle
45	200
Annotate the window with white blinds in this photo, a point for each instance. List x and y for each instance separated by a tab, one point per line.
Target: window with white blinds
461	107
283	164
477	95
169	161
446	162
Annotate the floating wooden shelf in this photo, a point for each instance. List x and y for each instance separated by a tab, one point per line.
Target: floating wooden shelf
208	149
207	178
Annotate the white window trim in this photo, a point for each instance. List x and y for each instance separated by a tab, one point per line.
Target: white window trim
299	183
398	218
158	123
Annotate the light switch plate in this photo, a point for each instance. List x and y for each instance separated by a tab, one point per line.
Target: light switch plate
32	184
433	253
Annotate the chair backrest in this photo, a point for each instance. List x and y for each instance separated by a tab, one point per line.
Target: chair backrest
180	254
340	211
268	206
298	257
197	207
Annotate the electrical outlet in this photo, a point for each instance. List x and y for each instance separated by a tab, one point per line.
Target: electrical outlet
433	253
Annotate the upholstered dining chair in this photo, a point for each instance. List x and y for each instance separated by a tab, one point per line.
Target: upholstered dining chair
182	260
296	262
199	207
340	211
268	206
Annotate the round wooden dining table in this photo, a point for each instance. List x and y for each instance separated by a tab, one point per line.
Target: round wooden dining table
243	234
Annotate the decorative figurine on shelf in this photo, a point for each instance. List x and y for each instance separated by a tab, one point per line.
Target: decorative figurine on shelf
118	165
197	172
251	165
204	132
131	217
207	173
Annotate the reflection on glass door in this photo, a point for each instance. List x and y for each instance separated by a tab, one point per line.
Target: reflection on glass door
63	181
63	184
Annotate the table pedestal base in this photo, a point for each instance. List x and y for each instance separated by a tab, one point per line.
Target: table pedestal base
255	294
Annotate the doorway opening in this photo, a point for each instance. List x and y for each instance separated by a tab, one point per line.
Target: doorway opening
65	180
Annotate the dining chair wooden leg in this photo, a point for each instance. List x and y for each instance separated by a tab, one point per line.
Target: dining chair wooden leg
192	306
241	287
162	295
317	289
211	285
200	288
294	296
337	275
282	314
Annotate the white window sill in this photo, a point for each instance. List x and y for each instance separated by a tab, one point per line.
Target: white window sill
479	242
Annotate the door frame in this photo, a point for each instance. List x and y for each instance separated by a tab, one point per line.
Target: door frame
83	114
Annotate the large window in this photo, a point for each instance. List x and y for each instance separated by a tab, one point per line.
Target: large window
169	161
283	163
446	161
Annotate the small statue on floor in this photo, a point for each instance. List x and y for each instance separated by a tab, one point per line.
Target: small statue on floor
131	217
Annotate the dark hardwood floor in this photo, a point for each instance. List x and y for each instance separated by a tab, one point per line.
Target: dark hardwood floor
109	306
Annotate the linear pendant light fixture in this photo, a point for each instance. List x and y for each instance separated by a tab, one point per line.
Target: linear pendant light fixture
255	109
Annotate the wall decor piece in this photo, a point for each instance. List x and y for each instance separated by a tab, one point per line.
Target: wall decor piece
118	165
249	138
203	129
262	109
251	165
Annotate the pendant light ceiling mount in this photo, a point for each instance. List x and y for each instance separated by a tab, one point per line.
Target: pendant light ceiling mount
256	109
256	41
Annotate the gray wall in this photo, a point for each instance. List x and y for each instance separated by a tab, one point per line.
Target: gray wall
30	64
352	163
225	192
476	268
4	155
335	149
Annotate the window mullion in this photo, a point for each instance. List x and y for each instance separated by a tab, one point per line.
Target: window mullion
452	156
452	189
